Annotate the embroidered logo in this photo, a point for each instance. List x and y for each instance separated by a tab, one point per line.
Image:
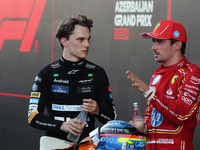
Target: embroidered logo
175	77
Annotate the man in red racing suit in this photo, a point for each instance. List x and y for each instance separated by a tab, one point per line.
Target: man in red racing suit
173	95
171	113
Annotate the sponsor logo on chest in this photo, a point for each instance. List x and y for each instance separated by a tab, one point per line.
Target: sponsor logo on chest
59	89
84	89
61	81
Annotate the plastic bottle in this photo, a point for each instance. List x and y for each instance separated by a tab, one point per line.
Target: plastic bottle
137	117
82	116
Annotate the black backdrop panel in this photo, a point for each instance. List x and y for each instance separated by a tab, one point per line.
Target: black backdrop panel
116	45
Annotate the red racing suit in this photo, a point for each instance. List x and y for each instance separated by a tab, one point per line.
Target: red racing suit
173	106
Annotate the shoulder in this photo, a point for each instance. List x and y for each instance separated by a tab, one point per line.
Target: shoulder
192	73
50	68
95	69
92	66
192	68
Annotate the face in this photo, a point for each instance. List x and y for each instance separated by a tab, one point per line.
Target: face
163	51
77	46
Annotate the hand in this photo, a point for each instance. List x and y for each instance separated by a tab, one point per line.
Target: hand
141	86
73	126
139	125
90	106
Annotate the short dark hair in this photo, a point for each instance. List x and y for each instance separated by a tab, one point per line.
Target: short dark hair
66	26
172	41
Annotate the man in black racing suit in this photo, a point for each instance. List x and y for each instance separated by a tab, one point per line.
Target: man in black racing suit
64	88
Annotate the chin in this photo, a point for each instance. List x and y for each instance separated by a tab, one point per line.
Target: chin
157	60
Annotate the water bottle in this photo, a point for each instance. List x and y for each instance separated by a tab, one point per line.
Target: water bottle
82	116
137	117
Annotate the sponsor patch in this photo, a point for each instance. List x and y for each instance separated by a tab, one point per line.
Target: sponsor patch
73	71
90	75
32	116
32	108
84	89
175	77
38	79
35	94
59	118
162	141
34	100
156	27
109	90
66	107
110	96
59	89
195	80
186	100
81	63
156	118
55	65
56	75
90	66
85	81
61	81
156	79
35	87
169	92
176	34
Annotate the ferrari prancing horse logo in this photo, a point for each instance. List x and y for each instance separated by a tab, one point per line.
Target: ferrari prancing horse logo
175	77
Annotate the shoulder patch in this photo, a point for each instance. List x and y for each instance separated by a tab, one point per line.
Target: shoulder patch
55	65
90	66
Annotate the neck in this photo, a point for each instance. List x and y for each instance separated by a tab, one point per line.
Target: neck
173	60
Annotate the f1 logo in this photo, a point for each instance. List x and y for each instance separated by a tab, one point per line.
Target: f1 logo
19	20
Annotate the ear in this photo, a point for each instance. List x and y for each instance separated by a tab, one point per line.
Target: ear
178	45
63	40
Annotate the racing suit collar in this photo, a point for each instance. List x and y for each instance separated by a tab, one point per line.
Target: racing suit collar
72	64
174	67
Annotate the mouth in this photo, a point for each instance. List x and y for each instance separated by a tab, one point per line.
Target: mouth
85	51
156	54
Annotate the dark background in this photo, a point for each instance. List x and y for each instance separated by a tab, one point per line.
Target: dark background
18	69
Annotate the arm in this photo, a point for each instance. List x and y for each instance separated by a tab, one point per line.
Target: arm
104	99
38	102
186	104
187	99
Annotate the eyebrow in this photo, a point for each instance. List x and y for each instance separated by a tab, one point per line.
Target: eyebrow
153	39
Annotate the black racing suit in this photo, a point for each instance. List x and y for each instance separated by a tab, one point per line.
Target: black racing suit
59	90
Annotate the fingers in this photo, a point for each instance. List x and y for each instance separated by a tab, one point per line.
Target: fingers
131	123
73	126
90	106
131	76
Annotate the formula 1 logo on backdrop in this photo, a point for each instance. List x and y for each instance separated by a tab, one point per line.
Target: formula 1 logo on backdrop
19	20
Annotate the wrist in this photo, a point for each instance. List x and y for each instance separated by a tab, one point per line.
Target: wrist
150	93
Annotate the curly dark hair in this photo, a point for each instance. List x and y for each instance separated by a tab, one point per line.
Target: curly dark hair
66	26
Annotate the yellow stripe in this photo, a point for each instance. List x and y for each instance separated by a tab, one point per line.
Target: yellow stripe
32	116
167	132
128	140
181	145
189	112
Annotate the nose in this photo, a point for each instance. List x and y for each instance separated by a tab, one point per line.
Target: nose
153	46
86	43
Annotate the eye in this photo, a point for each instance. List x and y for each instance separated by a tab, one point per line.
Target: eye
160	41
81	39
